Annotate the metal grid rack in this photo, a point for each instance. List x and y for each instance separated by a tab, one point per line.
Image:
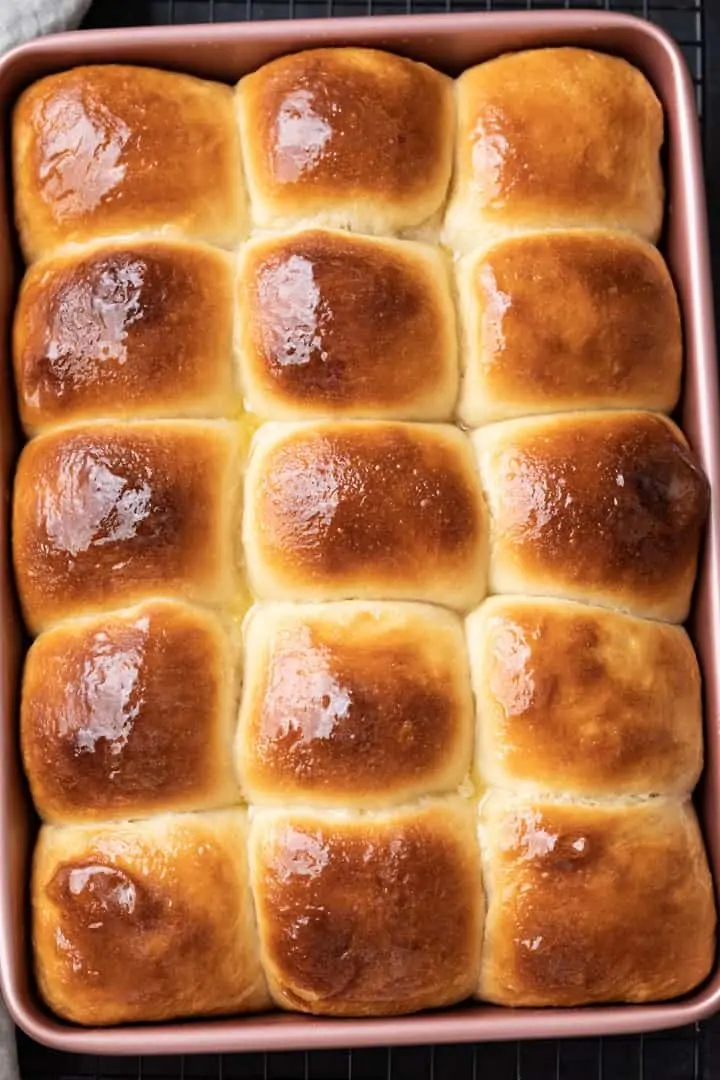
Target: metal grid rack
691	1053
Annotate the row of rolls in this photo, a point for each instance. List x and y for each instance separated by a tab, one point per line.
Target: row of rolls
325	322
449	749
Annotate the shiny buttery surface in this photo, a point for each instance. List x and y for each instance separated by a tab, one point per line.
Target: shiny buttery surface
346	325
353	704
106	514
372	914
555	137
146	920
594	903
130	714
110	149
595	506
583	701
377	510
568	320
125	329
357	138
439	39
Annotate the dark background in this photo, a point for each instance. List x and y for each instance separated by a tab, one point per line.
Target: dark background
691	1053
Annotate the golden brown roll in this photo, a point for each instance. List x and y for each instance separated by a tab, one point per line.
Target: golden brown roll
130	714
378	914
129	328
567	320
146	920
605	507
553	138
353	138
353	704
593	903
106	514
366	510
343	325
583	701
111	149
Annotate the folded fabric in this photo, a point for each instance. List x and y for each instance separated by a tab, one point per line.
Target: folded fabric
21	20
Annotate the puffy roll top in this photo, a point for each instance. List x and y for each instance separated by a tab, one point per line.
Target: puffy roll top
333	324
603	507
375	510
328	686
110	149
354	138
555	138
125	329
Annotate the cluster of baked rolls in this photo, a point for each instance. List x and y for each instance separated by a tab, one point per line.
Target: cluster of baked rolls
377	791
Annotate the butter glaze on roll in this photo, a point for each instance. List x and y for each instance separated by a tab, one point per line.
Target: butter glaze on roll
336	324
111	149
107	514
353	704
378	914
555	138
582	701
128	329
130	714
366	878
146	920
594	903
567	320
365	510
604	507
346	137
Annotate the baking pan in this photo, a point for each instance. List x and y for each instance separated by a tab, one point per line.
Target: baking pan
451	43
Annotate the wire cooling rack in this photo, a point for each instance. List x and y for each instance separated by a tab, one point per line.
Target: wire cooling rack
690	1053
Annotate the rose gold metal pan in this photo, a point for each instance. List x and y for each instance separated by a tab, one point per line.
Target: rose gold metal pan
450	42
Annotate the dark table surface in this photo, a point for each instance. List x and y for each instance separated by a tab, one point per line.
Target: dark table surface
687	1053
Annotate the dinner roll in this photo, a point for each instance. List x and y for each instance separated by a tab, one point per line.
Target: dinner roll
552	138
605	507
567	320
377	914
130	714
146	920
353	138
583	701
366	510
336	324
353	704
111	149
107	514
125	328
593	903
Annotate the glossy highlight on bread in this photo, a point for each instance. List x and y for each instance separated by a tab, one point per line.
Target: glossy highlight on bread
593	903
107	514
348	138
309	366
333	324
605	507
125	329
353	704
364	510
373	915
146	920
112	149
562	320
130	714
582	701
554	138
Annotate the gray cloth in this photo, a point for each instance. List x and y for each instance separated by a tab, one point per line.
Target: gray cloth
20	21
8	1050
